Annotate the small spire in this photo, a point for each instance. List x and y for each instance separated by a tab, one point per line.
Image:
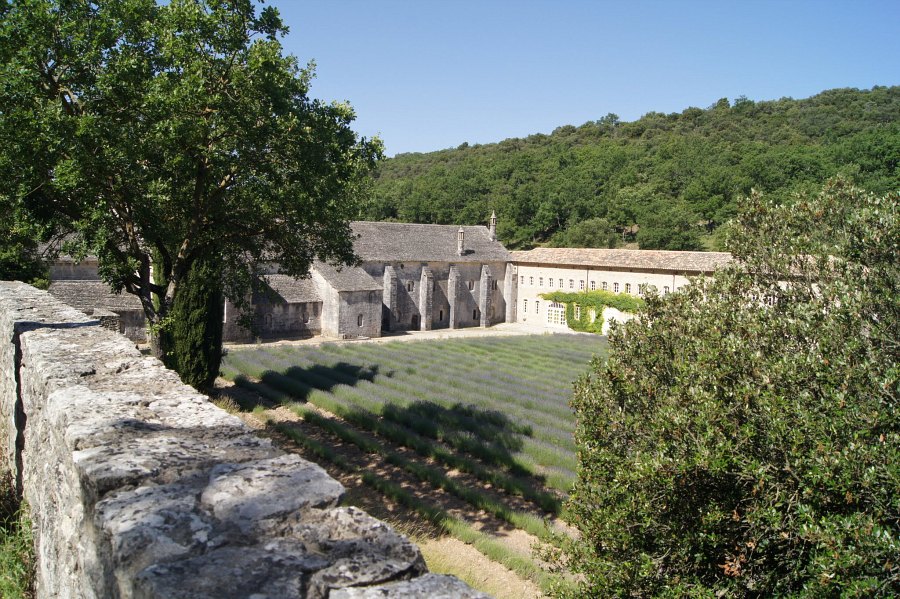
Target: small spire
493	227
461	242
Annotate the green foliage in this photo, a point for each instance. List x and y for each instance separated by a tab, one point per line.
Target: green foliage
590	233
743	437
670	228
700	160
194	334
168	133
592	303
17	560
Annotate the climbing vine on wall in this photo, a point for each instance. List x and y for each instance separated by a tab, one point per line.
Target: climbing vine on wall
592	303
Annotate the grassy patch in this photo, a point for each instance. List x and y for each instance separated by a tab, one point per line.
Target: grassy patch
16	545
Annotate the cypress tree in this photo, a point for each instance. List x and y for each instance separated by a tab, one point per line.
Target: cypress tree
194	337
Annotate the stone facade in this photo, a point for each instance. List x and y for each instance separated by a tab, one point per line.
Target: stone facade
140	488
544	270
414	277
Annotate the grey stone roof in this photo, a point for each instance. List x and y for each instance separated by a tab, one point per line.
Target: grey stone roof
347	278
691	262
405	242
87	295
292	290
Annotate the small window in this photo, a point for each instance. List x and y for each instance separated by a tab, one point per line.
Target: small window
523	280
665	289
571	283
305	317
560	283
577	312
627	287
525	306
593	285
409	286
475	314
604	286
441	317
581	284
531	281
471	285
537	307
642	289
359	320
541	282
551	282
225	312
615	288
494	284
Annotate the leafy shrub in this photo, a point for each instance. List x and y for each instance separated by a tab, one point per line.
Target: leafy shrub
742	439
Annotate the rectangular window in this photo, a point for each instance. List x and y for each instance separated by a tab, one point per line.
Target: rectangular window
593	285
642	289
541	282
409	286
581	284
531	281
525	306
551	283
577	312
571	283
604	286
560	283
615	288
537	307
471	285
523	280
627	287
494	285
665	289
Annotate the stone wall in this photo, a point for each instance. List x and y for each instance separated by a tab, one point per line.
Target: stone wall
139	487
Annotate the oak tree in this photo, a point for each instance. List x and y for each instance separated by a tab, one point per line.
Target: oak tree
160	135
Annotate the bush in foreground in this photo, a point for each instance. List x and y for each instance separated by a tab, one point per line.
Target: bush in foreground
743	439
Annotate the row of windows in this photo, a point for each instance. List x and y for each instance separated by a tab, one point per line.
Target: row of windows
603	285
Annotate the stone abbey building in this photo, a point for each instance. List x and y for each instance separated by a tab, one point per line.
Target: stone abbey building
411	277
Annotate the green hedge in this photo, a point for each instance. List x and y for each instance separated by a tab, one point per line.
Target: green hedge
596	300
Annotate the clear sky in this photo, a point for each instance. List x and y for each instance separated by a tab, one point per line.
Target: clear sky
426	75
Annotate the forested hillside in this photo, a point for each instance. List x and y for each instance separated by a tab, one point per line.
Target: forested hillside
677	176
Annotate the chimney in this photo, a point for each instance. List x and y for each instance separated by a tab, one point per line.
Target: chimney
493	228
461	242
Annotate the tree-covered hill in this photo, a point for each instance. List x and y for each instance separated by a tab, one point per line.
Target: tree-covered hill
664	172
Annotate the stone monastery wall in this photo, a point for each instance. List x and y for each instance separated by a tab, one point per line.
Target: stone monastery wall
139	487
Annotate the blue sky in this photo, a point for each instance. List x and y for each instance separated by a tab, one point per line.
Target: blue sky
426	75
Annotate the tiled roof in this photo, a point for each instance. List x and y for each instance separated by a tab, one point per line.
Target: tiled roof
347	278
705	262
292	290
399	242
87	295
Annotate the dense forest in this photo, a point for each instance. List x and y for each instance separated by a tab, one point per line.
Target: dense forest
677	176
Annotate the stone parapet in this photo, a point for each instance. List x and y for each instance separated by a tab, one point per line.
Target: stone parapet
139	487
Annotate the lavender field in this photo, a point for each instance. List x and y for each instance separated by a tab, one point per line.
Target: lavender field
493	408
501	400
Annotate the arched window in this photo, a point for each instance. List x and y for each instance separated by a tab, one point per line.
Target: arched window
359	320
409	286
475	314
